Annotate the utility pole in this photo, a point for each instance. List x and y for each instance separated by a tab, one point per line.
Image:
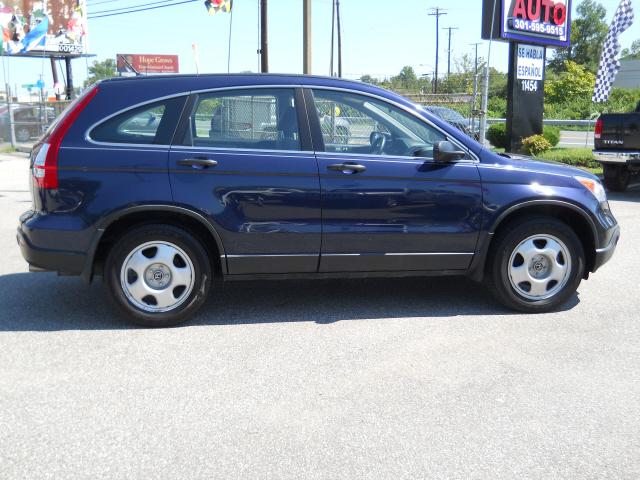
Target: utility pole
339	26
449	51
333	32
437	12
306	34
264	38
54	73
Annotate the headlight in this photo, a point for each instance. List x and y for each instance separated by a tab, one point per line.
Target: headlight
594	186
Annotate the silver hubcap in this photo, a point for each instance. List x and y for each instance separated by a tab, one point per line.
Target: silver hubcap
539	267
157	277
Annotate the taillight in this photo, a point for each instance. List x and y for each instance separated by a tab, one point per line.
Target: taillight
45	165
598	131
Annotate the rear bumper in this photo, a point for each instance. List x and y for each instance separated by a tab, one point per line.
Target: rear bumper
61	261
603	255
632	158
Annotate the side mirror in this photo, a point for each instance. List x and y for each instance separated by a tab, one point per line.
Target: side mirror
446	151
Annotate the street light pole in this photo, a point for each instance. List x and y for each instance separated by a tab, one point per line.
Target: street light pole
475	89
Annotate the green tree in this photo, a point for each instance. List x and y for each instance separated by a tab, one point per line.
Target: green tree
406	79
576	83
100	71
369	79
462	80
588	32
632	53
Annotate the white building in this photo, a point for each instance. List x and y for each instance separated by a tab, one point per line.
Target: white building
629	75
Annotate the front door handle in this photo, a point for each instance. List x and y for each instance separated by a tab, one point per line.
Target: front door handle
198	162
347	168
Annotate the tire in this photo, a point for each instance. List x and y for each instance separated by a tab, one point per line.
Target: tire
23	135
616	177
540	254
157	275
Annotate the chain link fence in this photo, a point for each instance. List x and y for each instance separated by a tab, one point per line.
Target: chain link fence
24	123
462	110
240	118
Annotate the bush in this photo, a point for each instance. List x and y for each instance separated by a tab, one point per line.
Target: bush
551	134
577	157
497	135
497	107
535	145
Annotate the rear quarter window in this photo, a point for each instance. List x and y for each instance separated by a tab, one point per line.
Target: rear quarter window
151	124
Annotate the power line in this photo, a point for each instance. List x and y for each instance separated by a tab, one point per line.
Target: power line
91	4
142	9
132	6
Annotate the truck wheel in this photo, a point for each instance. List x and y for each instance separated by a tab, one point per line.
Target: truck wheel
157	275
23	135
535	265
616	177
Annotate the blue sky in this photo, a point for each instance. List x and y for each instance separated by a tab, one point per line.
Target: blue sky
379	36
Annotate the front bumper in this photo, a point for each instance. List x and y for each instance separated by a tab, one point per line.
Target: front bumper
603	255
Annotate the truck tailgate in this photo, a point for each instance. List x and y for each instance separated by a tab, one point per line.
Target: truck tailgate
620	132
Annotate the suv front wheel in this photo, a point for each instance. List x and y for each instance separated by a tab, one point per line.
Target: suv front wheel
158	275
535	265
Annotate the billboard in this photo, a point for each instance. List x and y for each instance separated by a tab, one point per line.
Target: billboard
50	26
542	22
132	63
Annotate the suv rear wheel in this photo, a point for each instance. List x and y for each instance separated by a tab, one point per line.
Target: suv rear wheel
535	265
158	275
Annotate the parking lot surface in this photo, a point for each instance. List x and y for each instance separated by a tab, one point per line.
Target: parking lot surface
404	378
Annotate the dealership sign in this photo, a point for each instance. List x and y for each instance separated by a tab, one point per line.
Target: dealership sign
131	63
530	64
543	22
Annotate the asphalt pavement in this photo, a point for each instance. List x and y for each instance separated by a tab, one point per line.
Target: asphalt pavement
376	379
570	139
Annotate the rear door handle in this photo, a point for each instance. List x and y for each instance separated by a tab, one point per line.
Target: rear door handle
198	162
347	168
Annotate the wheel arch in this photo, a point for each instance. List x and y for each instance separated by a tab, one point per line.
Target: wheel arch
118	222
575	217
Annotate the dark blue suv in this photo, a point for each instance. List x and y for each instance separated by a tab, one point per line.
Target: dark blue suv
163	184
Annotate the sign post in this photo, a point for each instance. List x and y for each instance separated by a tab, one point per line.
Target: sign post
525	96
529	26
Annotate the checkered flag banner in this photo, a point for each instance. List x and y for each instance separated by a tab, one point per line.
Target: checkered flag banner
610	60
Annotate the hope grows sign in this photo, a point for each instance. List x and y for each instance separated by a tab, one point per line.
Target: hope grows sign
544	22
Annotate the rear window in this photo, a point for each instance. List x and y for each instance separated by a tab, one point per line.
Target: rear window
154	123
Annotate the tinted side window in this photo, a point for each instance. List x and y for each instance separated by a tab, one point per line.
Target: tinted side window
153	123
263	119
